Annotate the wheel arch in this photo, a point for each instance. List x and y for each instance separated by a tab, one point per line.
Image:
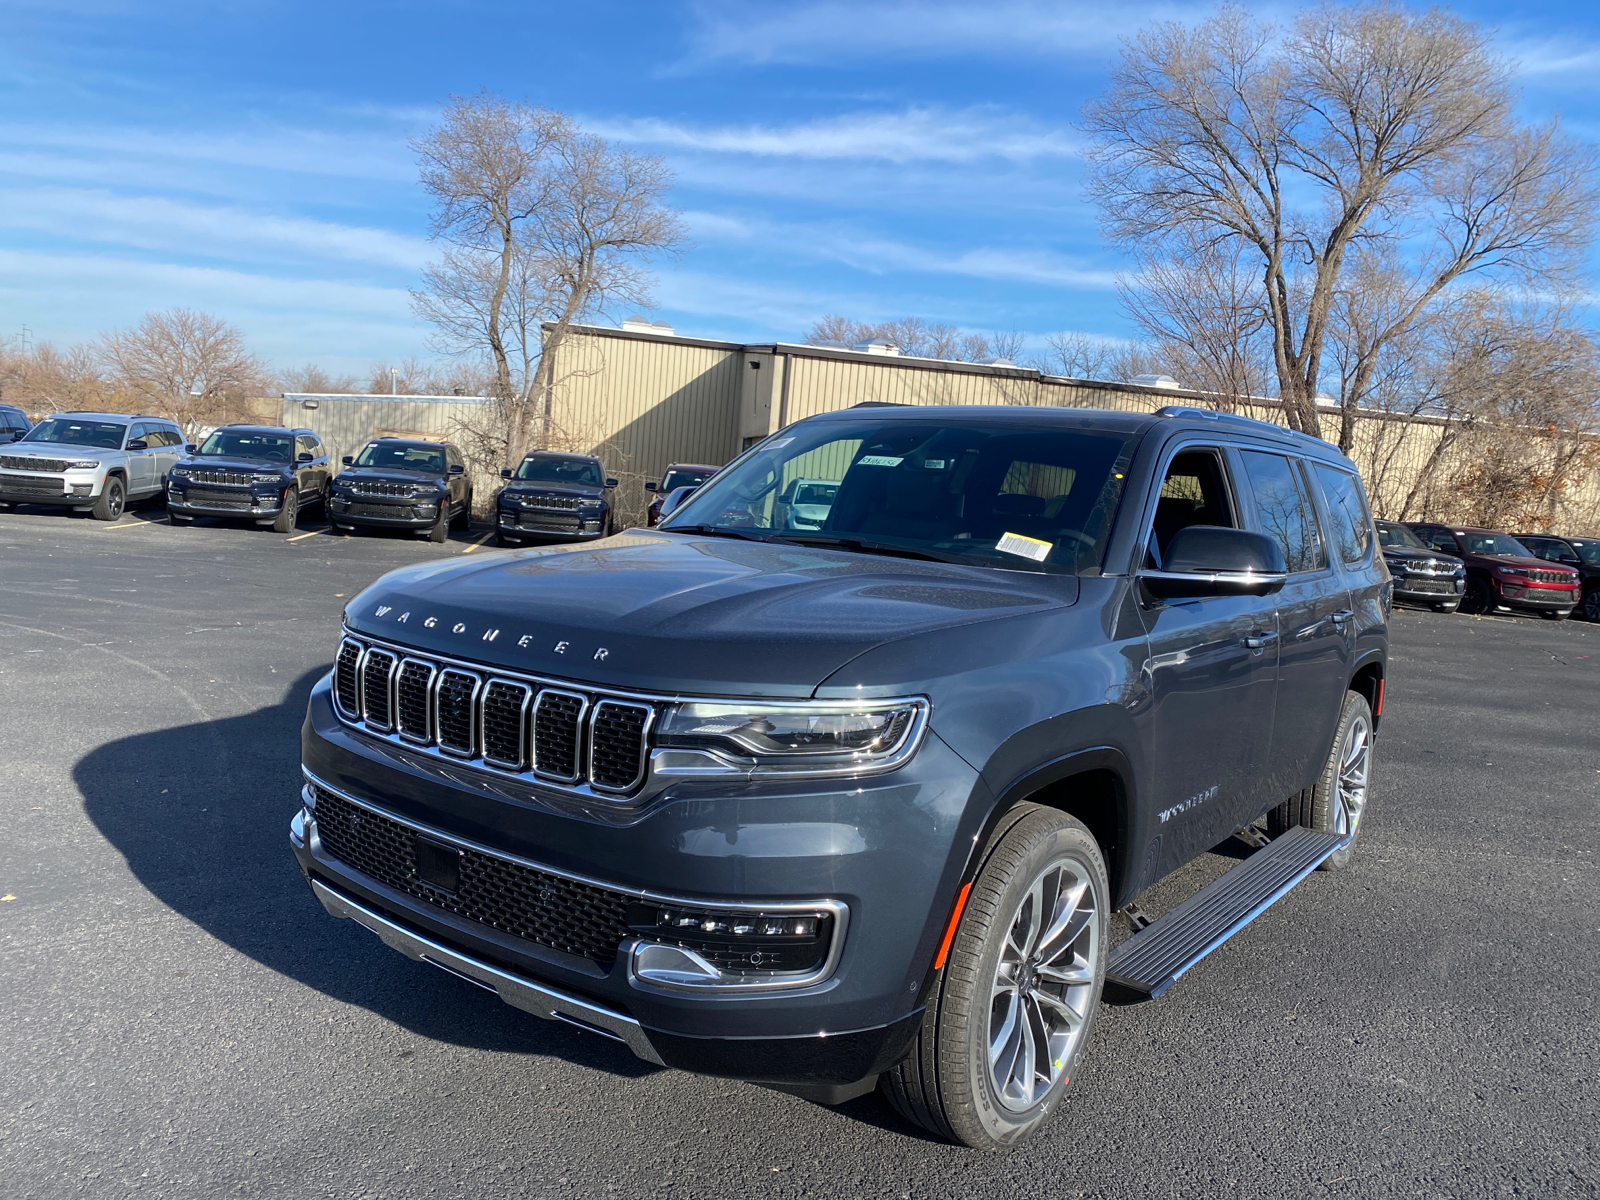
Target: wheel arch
1367	679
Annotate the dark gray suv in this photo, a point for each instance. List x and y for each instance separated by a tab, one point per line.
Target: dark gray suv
855	805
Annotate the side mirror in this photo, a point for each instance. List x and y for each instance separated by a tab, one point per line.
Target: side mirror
305	456
138	444
611	483
1205	560
349	460
674	500
650	487
456	468
192	448
505	472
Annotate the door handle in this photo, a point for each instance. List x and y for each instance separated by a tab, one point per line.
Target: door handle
1340	617
1260	641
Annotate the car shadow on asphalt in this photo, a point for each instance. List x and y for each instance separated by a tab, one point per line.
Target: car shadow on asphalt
201	814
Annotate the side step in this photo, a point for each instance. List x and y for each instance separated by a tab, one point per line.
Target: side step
1152	960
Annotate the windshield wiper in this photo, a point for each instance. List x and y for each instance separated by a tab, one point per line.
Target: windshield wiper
866	547
718	531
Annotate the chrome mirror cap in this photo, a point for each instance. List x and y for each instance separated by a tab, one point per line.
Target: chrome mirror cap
1173	585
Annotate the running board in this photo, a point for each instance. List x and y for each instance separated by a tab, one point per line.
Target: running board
1154	958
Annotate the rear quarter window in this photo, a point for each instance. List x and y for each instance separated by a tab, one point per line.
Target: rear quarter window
1349	521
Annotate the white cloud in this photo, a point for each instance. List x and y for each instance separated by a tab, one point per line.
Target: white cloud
157	223
826	31
915	134
345	326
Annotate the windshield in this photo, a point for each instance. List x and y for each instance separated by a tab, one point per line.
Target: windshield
581	471
997	496
1494	543
678	479
1398	535
275	447
402	458
107	435
1589	552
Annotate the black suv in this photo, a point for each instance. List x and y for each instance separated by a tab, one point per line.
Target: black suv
855	806
398	483
1421	575
263	473
13	423
552	496
1581	554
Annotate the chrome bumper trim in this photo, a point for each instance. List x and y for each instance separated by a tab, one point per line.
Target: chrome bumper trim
516	991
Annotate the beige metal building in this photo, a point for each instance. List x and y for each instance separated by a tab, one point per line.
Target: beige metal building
642	397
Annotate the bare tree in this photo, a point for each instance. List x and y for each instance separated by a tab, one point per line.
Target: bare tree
313	379
918	338
544	226
844	330
183	364
42	379
1357	126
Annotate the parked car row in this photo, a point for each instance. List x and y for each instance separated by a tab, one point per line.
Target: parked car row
1482	570
101	462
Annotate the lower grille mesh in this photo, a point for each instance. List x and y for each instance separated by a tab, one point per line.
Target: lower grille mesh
576	918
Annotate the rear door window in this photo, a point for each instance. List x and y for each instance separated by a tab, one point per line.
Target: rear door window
1350	524
1283	509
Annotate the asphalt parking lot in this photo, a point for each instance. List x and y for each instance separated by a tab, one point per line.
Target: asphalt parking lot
180	1018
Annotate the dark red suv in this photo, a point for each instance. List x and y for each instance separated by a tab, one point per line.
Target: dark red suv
1502	574
678	475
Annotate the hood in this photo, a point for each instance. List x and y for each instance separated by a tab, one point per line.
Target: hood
230	462
1522	562
55	450
530	487
388	475
671	613
1412	552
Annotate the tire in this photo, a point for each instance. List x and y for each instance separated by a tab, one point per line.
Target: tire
440	532
112	500
1479	599
947	1083
463	519
1591	604
289	514
1337	802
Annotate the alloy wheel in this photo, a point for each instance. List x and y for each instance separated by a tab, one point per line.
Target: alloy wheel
1591	604
1355	764
115	503
1043	986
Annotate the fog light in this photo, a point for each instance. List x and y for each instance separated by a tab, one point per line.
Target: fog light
739	943
1511	589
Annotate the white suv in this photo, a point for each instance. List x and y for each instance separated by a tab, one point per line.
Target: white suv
95	461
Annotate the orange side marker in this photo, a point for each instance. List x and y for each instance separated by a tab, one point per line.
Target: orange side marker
1379	711
950	932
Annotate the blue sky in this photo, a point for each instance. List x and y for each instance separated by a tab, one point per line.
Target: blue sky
875	159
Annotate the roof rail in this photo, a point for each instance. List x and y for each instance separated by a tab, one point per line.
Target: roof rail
1251	423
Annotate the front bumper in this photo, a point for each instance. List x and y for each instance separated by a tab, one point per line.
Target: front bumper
888	848
347	511
251	505
1521	598
77	488
1429	589
520	523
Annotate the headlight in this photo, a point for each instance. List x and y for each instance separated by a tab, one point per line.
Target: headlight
823	738
180	472
82	464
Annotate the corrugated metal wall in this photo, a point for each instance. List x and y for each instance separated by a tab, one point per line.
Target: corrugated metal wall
347	423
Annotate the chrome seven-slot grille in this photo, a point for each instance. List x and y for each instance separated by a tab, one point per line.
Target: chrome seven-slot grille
17	462
372	487
562	503
571	916
505	722
1549	576
223	478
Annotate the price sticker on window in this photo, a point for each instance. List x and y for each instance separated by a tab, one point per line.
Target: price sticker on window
878	460
1024	547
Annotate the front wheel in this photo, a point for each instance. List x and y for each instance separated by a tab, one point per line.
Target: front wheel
289	514
1591	604
1011	1011
1479	599
111	501
1338	800
440	531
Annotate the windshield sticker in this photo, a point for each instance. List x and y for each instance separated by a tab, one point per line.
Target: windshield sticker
1024	547
878	460
934	464
779	444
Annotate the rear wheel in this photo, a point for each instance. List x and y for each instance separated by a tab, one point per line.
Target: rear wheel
1338	800
1012	1008
289	514
112	500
